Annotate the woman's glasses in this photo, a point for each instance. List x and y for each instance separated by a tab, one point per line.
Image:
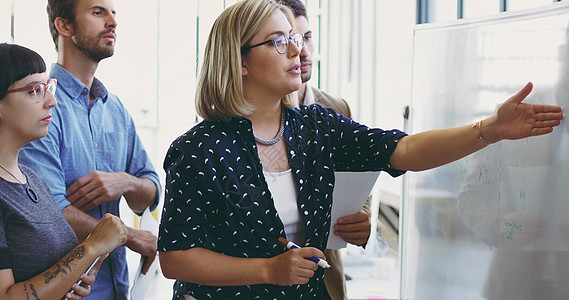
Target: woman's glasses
37	90
281	43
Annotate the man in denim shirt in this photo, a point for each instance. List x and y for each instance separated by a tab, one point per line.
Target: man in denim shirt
92	155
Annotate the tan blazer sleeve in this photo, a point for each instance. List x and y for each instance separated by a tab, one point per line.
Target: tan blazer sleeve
337	104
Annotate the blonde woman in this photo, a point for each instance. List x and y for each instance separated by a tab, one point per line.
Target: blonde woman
260	166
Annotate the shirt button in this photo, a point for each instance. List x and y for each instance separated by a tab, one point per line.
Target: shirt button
96	146
306	213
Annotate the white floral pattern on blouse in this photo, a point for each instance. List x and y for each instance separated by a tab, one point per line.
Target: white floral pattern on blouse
217	197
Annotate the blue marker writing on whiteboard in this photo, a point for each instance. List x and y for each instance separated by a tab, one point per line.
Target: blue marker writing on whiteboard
290	245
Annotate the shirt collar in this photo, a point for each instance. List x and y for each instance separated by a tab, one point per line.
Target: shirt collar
308	95
73	86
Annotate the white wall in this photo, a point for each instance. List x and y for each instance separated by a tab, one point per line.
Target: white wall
366	59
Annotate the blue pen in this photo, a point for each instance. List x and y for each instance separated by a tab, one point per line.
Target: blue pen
290	245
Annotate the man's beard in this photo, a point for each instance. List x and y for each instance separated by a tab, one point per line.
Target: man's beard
305	76
91	47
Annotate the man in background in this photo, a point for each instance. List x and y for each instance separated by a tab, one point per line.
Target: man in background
92	155
354	229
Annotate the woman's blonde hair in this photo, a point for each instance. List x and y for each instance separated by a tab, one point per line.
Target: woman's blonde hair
219	95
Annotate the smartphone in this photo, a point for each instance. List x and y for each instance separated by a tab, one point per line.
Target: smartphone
86	272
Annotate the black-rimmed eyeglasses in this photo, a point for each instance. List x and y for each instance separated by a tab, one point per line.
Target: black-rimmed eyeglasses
281	43
37	90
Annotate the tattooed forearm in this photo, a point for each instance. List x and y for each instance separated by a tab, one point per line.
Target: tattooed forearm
26	290
34	292
49	275
77	253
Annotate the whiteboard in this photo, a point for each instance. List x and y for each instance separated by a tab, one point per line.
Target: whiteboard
494	225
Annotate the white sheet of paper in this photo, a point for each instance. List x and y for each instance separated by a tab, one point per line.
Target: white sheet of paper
350	193
143	282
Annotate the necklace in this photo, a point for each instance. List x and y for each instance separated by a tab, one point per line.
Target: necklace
29	190
277	138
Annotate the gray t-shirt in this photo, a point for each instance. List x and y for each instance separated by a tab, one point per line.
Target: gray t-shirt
33	236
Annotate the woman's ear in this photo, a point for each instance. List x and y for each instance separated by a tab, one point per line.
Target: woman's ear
243	70
64	28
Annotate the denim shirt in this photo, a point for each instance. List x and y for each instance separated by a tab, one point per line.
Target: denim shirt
217	197
83	138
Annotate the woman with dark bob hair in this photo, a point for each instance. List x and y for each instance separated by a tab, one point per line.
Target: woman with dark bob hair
260	167
39	255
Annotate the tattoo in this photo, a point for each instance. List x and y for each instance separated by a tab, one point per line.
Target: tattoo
26	290
77	253
34	292
49	275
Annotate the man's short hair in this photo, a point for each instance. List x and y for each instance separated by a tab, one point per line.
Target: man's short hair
297	7
60	8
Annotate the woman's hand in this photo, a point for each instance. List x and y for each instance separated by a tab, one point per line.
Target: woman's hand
87	280
515	120
354	229
109	233
293	267
83	289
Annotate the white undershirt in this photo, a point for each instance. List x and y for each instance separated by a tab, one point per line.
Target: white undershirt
281	186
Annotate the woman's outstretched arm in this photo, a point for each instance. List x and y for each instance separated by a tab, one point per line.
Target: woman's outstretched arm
513	120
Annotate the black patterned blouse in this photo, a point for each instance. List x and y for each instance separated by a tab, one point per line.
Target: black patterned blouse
217	197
